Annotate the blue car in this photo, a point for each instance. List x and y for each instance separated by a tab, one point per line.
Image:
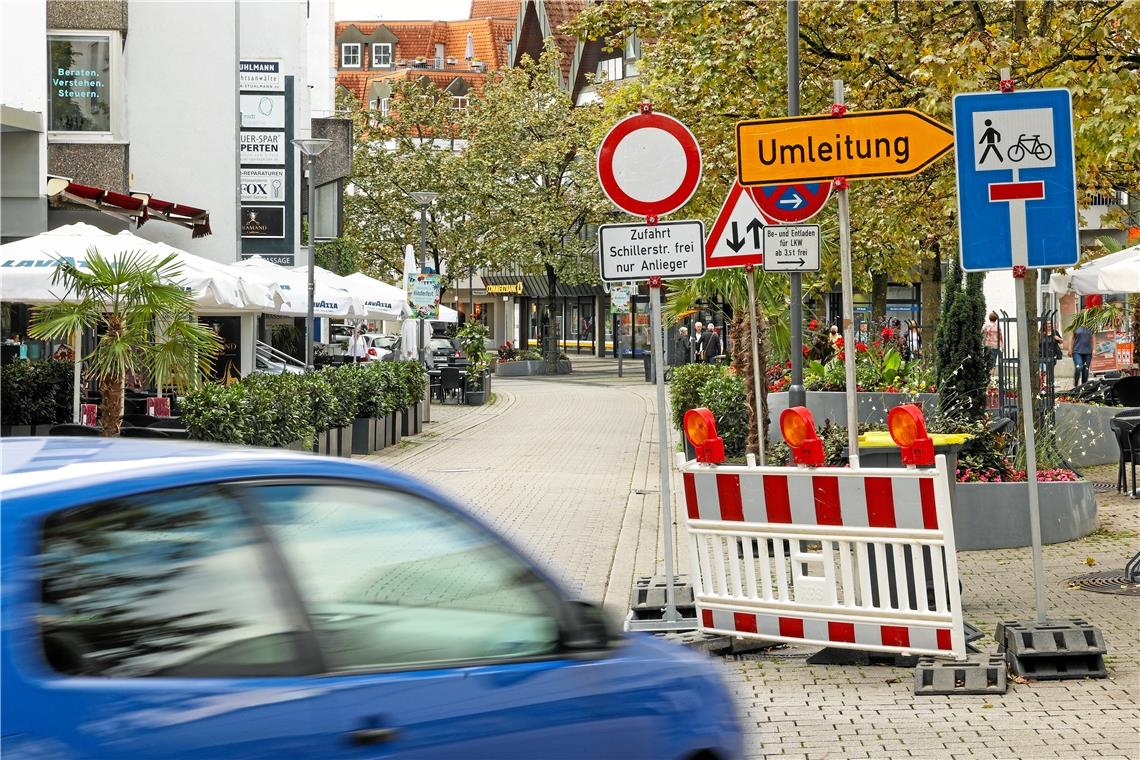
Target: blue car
188	601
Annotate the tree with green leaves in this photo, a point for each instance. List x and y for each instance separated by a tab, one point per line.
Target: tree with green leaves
144	319
534	194
960	359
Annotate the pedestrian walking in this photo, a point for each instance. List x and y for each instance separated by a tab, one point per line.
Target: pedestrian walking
1049	346
714	347
683	346
699	342
1081	350
992	340
358	346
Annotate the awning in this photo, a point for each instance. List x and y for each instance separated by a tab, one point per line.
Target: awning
534	286
1115	273
140	207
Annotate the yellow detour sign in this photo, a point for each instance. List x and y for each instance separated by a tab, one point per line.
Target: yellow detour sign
861	145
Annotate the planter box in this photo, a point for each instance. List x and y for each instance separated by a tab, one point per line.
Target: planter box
521	368
12	431
321	442
363	435
1084	435
564	367
418	417
395	427
376	438
342	438
407	424
476	398
832	405
996	515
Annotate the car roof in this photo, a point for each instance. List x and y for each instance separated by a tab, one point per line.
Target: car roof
44	474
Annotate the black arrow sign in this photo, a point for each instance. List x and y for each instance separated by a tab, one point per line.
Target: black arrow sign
800	262
754	227
736	242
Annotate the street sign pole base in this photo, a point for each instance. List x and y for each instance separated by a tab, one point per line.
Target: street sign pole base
648	605
1054	650
839	656
977	674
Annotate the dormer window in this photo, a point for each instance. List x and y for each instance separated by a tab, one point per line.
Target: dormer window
350	55
381	55
439	51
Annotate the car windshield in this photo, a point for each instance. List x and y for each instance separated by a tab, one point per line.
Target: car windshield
441	344
383	341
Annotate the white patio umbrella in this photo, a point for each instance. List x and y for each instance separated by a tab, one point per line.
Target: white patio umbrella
328	301
371	296
410	329
28	266
1115	273
390	300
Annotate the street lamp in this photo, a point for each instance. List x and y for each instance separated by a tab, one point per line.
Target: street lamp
311	147
425	199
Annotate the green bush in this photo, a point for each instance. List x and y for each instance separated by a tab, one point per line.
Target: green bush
36	392
323	415
278	410
472	339
344	381
724	395
410	383
214	412
685	388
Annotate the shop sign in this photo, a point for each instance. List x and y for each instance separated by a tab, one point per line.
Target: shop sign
1111	350
262	185
263	148
423	295
620	297
263	111
261	75
263	221
506	290
280	259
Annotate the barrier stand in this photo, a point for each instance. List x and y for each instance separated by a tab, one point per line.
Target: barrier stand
830	556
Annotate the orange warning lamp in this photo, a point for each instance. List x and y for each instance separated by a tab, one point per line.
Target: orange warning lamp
908	429
798	428
700	429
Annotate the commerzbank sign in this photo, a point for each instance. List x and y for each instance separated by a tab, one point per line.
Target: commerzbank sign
503	290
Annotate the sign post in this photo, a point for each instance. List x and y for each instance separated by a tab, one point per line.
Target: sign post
848	300
620	297
649	165
758	407
1000	136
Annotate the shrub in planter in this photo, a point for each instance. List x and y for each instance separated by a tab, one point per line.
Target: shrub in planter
344	382
724	395
685	388
35	392
411	383
323	414
278	410
214	412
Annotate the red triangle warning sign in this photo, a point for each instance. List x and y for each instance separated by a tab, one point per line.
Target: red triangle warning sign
737	235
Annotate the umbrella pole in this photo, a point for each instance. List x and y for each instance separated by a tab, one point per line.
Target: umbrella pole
76	376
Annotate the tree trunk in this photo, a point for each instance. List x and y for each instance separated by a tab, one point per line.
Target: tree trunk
878	296
931	288
550	343
742	363
111	406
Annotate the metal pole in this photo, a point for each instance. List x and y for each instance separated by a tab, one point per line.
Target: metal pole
1030	445
619	345
796	394
751	270
848	312
77	376
312	264
423	327
470	292
671	614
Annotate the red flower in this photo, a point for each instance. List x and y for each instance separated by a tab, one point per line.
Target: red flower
812	325
860	346
788	364
806	350
887	333
839	343
842	355
876	343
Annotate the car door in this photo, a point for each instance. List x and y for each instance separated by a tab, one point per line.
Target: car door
156	626
439	641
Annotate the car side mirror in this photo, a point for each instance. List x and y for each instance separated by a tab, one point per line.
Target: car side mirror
589	628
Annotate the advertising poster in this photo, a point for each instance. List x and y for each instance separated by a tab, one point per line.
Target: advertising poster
423	295
262	185
263	221
620	296
263	148
260	75
263	112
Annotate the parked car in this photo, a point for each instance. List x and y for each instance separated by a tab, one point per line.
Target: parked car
444	350
177	600
382	347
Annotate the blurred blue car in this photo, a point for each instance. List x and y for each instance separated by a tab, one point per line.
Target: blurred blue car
190	601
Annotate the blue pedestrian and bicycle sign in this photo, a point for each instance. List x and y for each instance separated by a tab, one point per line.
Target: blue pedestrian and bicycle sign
1017	190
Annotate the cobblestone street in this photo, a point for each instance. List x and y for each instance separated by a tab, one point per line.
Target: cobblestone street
568	468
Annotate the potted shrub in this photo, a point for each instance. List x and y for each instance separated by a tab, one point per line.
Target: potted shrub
477	383
215	412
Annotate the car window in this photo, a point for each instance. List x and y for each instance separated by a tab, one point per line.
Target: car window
391	580
171	583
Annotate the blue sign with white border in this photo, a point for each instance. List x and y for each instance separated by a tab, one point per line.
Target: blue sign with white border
1017	190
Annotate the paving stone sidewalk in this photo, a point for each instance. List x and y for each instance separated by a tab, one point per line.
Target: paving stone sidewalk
568	467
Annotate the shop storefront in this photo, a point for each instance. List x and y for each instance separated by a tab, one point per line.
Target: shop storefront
577	313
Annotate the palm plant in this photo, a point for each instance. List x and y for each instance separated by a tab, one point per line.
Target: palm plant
143	315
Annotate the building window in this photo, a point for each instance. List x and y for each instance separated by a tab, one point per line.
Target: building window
612	69
84	75
439	51
385	106
350	55
381	54
459	102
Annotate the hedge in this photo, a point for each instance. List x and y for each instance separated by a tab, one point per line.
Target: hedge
36	392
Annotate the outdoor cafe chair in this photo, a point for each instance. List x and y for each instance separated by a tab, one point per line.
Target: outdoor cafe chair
69	428
142	432
451	383
1126	391
1126	427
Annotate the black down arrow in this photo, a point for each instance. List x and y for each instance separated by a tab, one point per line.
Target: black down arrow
736	242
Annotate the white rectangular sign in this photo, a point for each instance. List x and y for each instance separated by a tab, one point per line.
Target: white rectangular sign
261	75
791	248
640	251
263	148
263	111
1014	139
262	185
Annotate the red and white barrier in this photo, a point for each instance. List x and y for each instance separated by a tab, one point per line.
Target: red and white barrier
829	556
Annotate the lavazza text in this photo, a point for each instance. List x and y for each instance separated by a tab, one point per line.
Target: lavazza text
639	247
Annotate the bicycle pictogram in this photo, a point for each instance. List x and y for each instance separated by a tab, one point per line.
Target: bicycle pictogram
1034	147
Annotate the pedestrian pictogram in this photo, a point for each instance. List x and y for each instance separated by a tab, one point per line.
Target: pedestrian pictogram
893	143
1016	183
736	237
649	164
791	204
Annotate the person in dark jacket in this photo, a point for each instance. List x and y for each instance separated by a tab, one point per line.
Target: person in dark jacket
1081	350
714	347
1049	346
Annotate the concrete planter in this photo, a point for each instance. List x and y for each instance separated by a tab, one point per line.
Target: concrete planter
564	367
476	398
996	515
530	367
832	405
363	435
411	419
1084	435
322	442
379	437
395	427
342	437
